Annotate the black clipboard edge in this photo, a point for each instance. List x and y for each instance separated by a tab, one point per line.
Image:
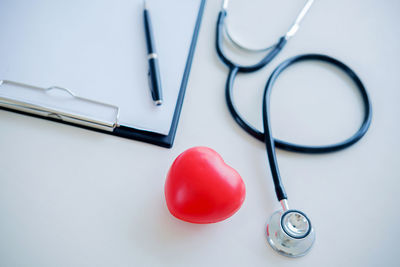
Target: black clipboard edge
168	140
142	135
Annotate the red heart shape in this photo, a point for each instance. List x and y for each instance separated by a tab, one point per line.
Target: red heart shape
202	188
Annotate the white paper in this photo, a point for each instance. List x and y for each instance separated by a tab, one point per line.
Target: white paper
97	49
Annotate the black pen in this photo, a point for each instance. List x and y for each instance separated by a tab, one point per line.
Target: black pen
152	57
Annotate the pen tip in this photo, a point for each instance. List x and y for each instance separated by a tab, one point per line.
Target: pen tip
144	4
158	102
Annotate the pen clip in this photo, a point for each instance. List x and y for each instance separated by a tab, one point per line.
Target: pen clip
150	83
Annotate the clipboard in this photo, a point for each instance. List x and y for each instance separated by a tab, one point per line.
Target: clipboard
106	116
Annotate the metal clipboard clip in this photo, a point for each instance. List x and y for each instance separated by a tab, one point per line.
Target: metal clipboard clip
48	102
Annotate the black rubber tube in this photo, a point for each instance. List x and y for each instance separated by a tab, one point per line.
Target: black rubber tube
266	136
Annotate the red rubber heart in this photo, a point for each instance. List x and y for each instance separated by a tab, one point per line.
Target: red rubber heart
202	188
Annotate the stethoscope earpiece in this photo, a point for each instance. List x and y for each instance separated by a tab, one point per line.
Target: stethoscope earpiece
290	233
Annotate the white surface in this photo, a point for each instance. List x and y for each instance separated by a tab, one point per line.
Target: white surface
97	49
71	197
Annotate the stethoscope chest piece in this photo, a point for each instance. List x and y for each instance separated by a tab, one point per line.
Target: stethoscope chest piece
290	233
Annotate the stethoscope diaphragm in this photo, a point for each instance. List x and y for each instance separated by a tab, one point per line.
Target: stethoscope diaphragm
290	233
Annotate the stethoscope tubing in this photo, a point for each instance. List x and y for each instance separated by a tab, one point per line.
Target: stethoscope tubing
327	148
270	142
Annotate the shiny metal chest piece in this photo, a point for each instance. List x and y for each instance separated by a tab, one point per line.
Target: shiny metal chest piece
290	233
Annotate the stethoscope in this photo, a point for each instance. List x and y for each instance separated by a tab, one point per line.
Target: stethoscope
288	231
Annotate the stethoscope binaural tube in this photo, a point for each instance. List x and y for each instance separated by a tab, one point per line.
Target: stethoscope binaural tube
242	68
